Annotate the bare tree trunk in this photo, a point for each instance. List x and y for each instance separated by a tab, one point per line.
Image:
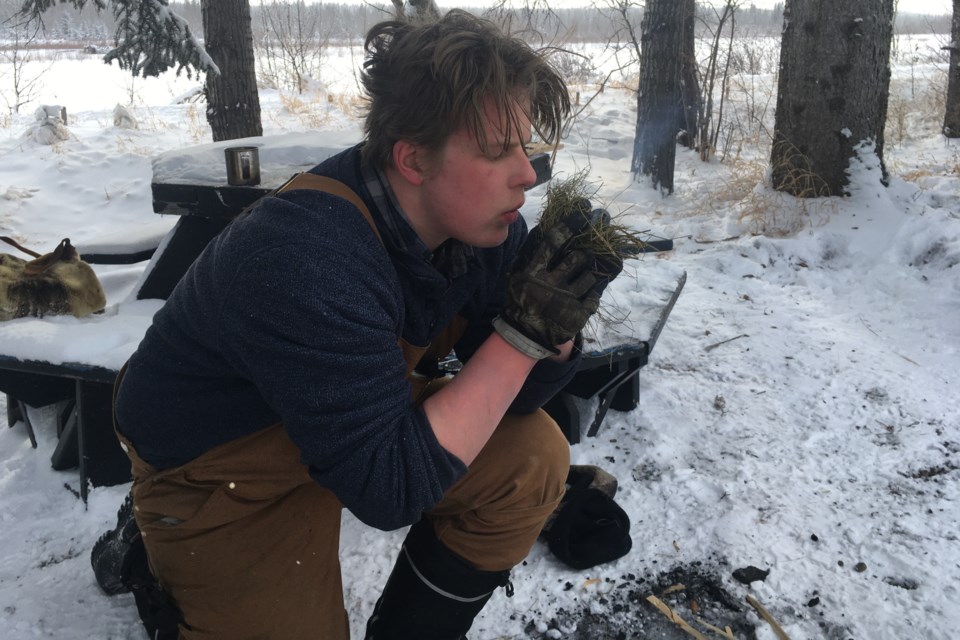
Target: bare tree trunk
423	11
658	100
833	90
689	78
951	120
233	104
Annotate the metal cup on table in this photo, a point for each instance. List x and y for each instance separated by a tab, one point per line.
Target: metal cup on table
243	166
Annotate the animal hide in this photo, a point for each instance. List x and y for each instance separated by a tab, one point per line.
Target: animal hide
57	283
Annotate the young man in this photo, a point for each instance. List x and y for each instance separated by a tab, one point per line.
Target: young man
293	370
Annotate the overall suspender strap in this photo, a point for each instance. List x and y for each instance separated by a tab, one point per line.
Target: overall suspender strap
334	187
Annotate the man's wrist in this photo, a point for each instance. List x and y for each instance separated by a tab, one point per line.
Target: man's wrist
516	339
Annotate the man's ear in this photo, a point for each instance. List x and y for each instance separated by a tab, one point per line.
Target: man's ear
409	160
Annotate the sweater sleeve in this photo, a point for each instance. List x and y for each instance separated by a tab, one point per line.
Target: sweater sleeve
313	322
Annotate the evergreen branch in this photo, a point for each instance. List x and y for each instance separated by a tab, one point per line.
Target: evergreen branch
150	38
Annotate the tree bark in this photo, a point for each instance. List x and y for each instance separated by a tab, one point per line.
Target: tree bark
689	79
659	107
233	104
832	94
951	120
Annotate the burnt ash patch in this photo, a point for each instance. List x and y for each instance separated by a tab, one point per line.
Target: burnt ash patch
623	613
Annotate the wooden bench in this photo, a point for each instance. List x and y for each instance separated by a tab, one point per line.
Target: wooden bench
74	362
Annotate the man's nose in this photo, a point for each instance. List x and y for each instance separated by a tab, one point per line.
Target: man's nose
527	175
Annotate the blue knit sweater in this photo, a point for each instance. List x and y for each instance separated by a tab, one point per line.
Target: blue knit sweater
293	313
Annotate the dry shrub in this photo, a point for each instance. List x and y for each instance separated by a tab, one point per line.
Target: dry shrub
763	210
313	109
196	126
896	125
126	144
929	167
349	104
915	107
307	108
628	82
575	68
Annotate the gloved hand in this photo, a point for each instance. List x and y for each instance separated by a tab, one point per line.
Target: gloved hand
554	286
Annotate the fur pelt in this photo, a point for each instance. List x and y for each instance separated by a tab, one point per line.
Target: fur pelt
57	283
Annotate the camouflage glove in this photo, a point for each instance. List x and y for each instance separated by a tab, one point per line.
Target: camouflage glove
553	287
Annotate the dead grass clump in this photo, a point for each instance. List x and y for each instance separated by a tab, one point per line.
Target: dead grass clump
603	234
313	109
794	172
744	177
306	109
350	104
916	106
196	126
925	166
760	208
771	213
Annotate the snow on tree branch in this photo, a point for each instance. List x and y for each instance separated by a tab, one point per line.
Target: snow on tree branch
150	37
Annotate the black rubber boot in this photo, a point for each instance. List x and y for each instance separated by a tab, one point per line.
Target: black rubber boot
432	593
112	549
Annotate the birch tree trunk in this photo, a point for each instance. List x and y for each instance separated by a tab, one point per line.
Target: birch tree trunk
833	89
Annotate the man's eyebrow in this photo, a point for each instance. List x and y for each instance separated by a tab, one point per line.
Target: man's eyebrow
514	141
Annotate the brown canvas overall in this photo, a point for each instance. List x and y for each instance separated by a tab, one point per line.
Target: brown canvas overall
247	543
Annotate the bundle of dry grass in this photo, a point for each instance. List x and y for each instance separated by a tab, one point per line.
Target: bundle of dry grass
603	234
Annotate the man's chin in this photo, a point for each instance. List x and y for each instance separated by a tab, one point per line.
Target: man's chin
489	241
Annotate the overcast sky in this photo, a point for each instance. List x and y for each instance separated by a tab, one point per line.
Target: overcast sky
936	7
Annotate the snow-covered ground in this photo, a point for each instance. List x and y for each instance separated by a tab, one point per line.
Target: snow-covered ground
800	413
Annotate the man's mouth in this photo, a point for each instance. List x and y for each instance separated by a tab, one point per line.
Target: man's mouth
514	213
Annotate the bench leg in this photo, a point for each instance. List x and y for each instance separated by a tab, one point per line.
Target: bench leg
65	455
608	394
627	395
17	412
102	461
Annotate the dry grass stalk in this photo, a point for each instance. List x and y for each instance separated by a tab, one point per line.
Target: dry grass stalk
726	632
777	629
314	108
798	176
603	237
769	212
674	617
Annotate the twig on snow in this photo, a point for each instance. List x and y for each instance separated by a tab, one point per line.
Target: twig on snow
726	632
777	629
714	346
908	359
674	617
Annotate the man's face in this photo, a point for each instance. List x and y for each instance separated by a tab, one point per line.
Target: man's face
472	195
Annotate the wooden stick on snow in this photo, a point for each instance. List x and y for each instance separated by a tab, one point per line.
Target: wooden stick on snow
674	617
777	629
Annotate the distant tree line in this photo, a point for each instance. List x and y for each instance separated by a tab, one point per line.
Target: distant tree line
343	22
